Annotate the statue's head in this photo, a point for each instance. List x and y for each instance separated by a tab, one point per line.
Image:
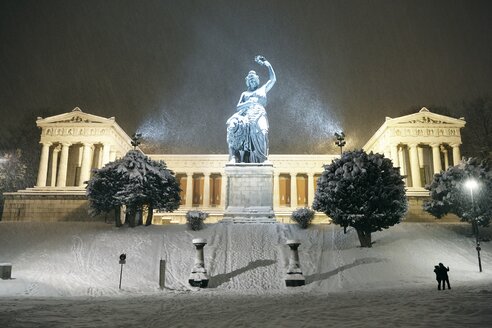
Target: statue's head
252	80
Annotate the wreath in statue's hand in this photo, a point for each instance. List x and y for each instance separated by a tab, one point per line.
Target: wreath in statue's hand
260	59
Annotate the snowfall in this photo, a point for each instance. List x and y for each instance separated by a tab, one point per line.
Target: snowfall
67	275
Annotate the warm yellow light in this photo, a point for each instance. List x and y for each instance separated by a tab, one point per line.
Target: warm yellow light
471	184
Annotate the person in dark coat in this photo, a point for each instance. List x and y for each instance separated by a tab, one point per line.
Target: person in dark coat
444	275
437	271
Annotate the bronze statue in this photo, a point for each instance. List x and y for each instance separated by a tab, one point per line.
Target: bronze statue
247	129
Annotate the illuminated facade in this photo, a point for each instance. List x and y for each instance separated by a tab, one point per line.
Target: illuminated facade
421	144
203	182
76	142
72	144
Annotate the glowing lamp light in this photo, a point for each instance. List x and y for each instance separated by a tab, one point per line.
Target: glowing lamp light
471	184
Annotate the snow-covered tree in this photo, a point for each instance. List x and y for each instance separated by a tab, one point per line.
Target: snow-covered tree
449	194
363	191
102	189
134	181
12	174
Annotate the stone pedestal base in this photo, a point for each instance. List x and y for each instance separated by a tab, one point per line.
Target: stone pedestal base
198	279
5	271
44	205
249	193
294	280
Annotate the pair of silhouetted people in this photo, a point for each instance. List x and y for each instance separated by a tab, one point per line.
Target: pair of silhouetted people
442	276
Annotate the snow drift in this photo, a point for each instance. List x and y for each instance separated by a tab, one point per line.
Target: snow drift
81	259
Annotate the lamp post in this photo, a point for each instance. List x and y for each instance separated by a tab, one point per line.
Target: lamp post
122	261
340	141
136	137
472	184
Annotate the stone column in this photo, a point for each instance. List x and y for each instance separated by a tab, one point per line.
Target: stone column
310	189
394	155
414	166
199	276
294	276
401	160
85	169
61	180
436	158
420	152
276	190
43	165
54	166
112	155
456	154
446	159
293	190
100	156
223	189
106	150
206	189
189	190
79	157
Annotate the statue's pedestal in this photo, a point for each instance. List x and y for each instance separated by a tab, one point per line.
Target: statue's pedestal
249	193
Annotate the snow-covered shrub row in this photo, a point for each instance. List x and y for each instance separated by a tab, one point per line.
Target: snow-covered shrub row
195	219
303	217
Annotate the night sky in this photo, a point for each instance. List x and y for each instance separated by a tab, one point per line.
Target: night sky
174	70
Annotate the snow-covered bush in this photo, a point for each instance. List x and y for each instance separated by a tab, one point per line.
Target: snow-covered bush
449	193
134	181
303	217
195	219
363	191
13	174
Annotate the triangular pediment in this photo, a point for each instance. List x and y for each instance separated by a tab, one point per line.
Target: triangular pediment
423	120
425	117
75	116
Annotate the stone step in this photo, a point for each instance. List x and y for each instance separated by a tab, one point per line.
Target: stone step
248	220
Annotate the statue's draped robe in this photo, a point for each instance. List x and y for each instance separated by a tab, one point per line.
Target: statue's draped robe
247	129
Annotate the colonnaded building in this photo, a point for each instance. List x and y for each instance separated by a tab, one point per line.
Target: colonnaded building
76	142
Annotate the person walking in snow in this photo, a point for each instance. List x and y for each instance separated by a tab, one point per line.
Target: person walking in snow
437	271
444	276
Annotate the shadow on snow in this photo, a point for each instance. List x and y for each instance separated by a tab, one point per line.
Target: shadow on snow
220	279
322	276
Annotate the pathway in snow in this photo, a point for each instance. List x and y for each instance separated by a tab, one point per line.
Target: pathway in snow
241	256
459	307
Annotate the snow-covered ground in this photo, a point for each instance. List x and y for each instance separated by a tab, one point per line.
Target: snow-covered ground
67	275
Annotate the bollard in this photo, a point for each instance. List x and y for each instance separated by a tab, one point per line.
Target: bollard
162	274
5	271
199	277
294	276
122	261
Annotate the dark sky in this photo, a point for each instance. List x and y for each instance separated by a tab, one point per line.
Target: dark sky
175	69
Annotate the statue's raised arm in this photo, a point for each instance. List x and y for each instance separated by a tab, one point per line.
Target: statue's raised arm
272	78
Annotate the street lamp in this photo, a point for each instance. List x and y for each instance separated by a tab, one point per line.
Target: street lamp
472	184
136	137
340	140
